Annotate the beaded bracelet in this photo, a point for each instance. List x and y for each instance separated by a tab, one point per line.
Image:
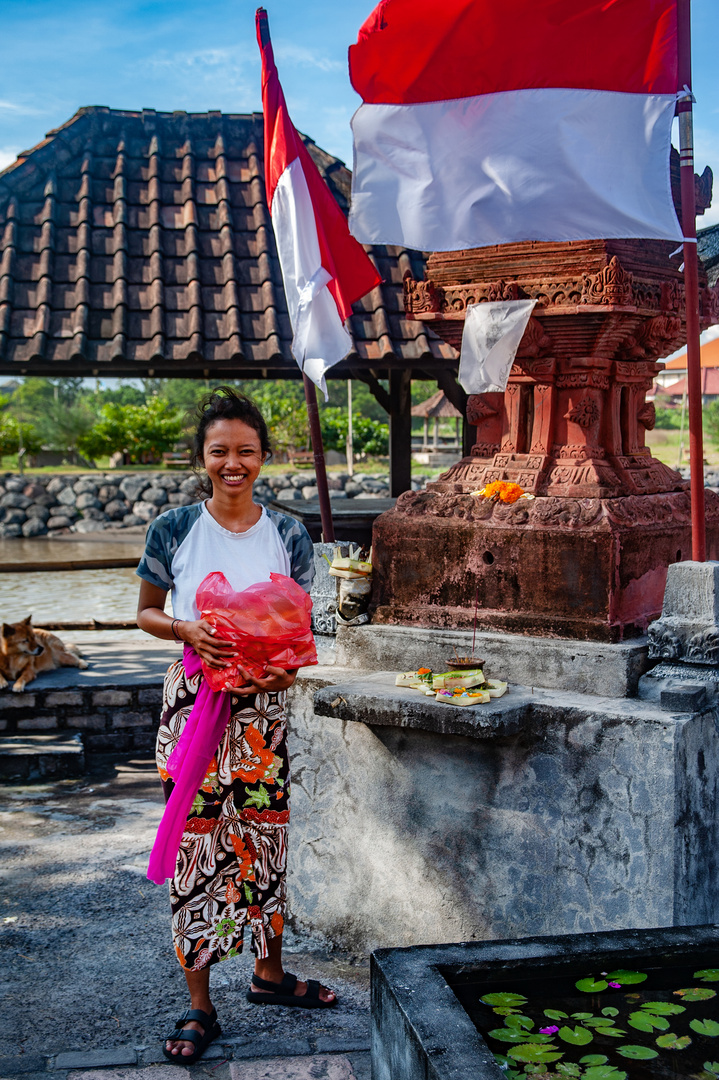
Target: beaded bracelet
174	632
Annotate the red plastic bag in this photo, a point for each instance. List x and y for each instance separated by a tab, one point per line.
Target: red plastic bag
269	623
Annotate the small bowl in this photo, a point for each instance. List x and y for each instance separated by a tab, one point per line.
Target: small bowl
465	663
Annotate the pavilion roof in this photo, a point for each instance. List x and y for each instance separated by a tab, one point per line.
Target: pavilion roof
140	242
438	405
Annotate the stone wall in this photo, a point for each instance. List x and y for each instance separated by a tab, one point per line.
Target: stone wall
43	505
110	720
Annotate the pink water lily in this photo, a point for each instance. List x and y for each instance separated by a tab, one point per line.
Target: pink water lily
615	985
551	1030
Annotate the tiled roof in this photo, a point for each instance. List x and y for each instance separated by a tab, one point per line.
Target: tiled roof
438	405
710	384
708	240
708	355
133	242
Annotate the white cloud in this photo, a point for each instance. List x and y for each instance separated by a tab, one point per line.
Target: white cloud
290	53
8	154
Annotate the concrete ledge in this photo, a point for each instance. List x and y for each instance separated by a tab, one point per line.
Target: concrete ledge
419	1027
41	757
585	667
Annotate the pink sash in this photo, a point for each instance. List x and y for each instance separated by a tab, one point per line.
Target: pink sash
187	766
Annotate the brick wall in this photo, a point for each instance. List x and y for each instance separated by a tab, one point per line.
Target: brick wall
109	719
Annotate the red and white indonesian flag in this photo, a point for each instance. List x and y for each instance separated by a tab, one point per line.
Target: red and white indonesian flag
323	267
488	122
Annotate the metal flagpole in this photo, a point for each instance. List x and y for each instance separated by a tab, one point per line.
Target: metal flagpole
691	281
323	492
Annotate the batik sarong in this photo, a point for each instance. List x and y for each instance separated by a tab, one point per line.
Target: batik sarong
232	861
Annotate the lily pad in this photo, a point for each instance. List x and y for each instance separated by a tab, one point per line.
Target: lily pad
535	1052
705	1027
610	1011
670	1041
662	1008
567	1068
505	1010
645	1021
591	986
707	975
502	1060
554	1014
626	978
582	1016
503	999
577	1036
604	1072
515	1035
599	1021
593	1059
712	1067
517	1021
696	993
637	1053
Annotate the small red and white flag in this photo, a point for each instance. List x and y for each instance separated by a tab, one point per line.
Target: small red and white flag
489	123
323	267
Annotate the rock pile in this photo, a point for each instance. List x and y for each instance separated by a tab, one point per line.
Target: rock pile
93	502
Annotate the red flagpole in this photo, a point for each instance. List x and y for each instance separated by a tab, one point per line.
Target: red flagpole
323	492
691	283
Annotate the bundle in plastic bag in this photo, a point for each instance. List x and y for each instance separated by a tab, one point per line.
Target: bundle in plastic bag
268	623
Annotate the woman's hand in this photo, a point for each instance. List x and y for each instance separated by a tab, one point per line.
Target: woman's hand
274	680
214	651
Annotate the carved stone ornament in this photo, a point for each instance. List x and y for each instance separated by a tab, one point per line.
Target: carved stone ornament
585	412
478	409
420	296
535	342
647	415
324	612
612	285
703	648
664	644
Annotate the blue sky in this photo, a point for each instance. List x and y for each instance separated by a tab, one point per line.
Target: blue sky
187	54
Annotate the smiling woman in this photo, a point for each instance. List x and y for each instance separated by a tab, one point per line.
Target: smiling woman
230	868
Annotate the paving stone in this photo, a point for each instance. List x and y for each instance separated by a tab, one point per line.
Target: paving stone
95	722
111	697
342	1044
88	1059
266	1046
153	1072
316	1067
37	723
22	1063
63	697
131	719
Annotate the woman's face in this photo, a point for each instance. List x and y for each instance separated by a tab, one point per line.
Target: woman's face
232	455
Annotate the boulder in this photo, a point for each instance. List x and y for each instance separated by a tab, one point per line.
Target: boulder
132	519
145	511
155	495
8	532
116	509
37	511
15	500
179	498
85	485
14	483
191	485
33	490
57	484
166	481
34	527
352	488
108	492
288	494
87	500
300	480
66	497
132	485
310	492
14	517
89	526
59	522
92	513
45	500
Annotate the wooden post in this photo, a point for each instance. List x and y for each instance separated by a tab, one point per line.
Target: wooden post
350	433
400	431
691	284
323	492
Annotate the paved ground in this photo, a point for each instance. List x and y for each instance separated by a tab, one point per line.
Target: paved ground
88	979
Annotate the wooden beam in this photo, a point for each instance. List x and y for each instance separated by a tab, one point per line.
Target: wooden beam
375	386
447	382
400	432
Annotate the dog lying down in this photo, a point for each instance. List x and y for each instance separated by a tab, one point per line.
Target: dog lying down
25	652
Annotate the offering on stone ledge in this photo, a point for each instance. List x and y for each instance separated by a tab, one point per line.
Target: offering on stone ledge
453	687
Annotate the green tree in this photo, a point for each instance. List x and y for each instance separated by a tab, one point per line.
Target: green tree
10	432
63	426
143	432
711	421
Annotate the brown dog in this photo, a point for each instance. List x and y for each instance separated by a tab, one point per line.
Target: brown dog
25	652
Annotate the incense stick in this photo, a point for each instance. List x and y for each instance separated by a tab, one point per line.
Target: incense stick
476	605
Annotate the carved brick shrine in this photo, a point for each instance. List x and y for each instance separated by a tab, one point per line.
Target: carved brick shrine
588	557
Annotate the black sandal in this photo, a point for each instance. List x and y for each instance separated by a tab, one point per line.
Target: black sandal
283	993
200	1042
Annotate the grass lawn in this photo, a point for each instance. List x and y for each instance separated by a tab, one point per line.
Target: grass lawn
664	445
